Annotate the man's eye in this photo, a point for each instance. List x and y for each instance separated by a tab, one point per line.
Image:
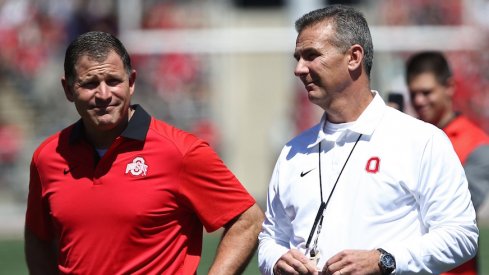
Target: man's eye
89	85
113	82
310	56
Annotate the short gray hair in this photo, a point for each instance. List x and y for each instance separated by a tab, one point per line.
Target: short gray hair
350	25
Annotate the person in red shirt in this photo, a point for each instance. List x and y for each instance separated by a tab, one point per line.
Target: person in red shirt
120	192
431	87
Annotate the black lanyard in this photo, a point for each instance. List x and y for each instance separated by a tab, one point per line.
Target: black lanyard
318	221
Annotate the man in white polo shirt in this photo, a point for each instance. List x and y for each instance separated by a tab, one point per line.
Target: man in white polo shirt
368	190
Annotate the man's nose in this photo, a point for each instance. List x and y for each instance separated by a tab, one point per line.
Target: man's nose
301	68
103	91
417	99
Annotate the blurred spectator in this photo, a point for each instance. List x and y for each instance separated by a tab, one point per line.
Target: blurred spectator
207	130
422	12
28	38
91	15
10	145
471	75
177	78
470	65
432	86
160	16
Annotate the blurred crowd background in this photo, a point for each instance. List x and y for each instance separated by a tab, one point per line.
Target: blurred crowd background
222	69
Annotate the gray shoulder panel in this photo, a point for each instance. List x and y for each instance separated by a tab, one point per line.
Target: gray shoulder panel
477	170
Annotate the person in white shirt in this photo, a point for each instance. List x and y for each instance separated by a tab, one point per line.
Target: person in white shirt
368	190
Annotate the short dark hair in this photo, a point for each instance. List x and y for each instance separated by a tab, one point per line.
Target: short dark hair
96	45
429	62
350	25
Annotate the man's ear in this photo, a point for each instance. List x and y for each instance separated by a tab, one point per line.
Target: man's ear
67	89
132	81
355	57
450	87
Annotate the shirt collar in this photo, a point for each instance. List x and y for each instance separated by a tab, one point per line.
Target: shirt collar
365	124
136	129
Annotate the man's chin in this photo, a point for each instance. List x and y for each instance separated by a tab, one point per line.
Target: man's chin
312	97
105	123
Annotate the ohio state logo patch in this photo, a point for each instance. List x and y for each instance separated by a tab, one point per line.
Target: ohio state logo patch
373	165
137	167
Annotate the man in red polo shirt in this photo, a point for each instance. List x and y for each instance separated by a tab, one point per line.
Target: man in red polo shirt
431	88
120	192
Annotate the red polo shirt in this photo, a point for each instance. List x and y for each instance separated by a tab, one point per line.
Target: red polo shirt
466	137
137	210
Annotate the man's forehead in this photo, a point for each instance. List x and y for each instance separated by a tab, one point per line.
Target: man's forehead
110	57
319	31
97	56
423	78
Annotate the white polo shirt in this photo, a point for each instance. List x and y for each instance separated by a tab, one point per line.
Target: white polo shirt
403	189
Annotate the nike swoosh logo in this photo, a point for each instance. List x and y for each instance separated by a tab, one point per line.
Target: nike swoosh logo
305	173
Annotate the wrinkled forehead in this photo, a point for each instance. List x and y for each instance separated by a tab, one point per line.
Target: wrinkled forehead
88	63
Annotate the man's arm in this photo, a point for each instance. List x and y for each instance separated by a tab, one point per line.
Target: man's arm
238	243
446	211
40	255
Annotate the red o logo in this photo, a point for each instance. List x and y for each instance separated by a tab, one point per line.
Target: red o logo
373	165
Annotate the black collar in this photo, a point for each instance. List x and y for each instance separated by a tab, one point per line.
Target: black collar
137	128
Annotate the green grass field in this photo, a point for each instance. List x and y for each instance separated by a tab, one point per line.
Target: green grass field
12	257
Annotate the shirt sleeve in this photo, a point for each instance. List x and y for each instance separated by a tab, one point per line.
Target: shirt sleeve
477	169
446	212
210	188
38	219
276	229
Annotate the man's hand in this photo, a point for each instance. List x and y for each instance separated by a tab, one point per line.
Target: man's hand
294	262
353	262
